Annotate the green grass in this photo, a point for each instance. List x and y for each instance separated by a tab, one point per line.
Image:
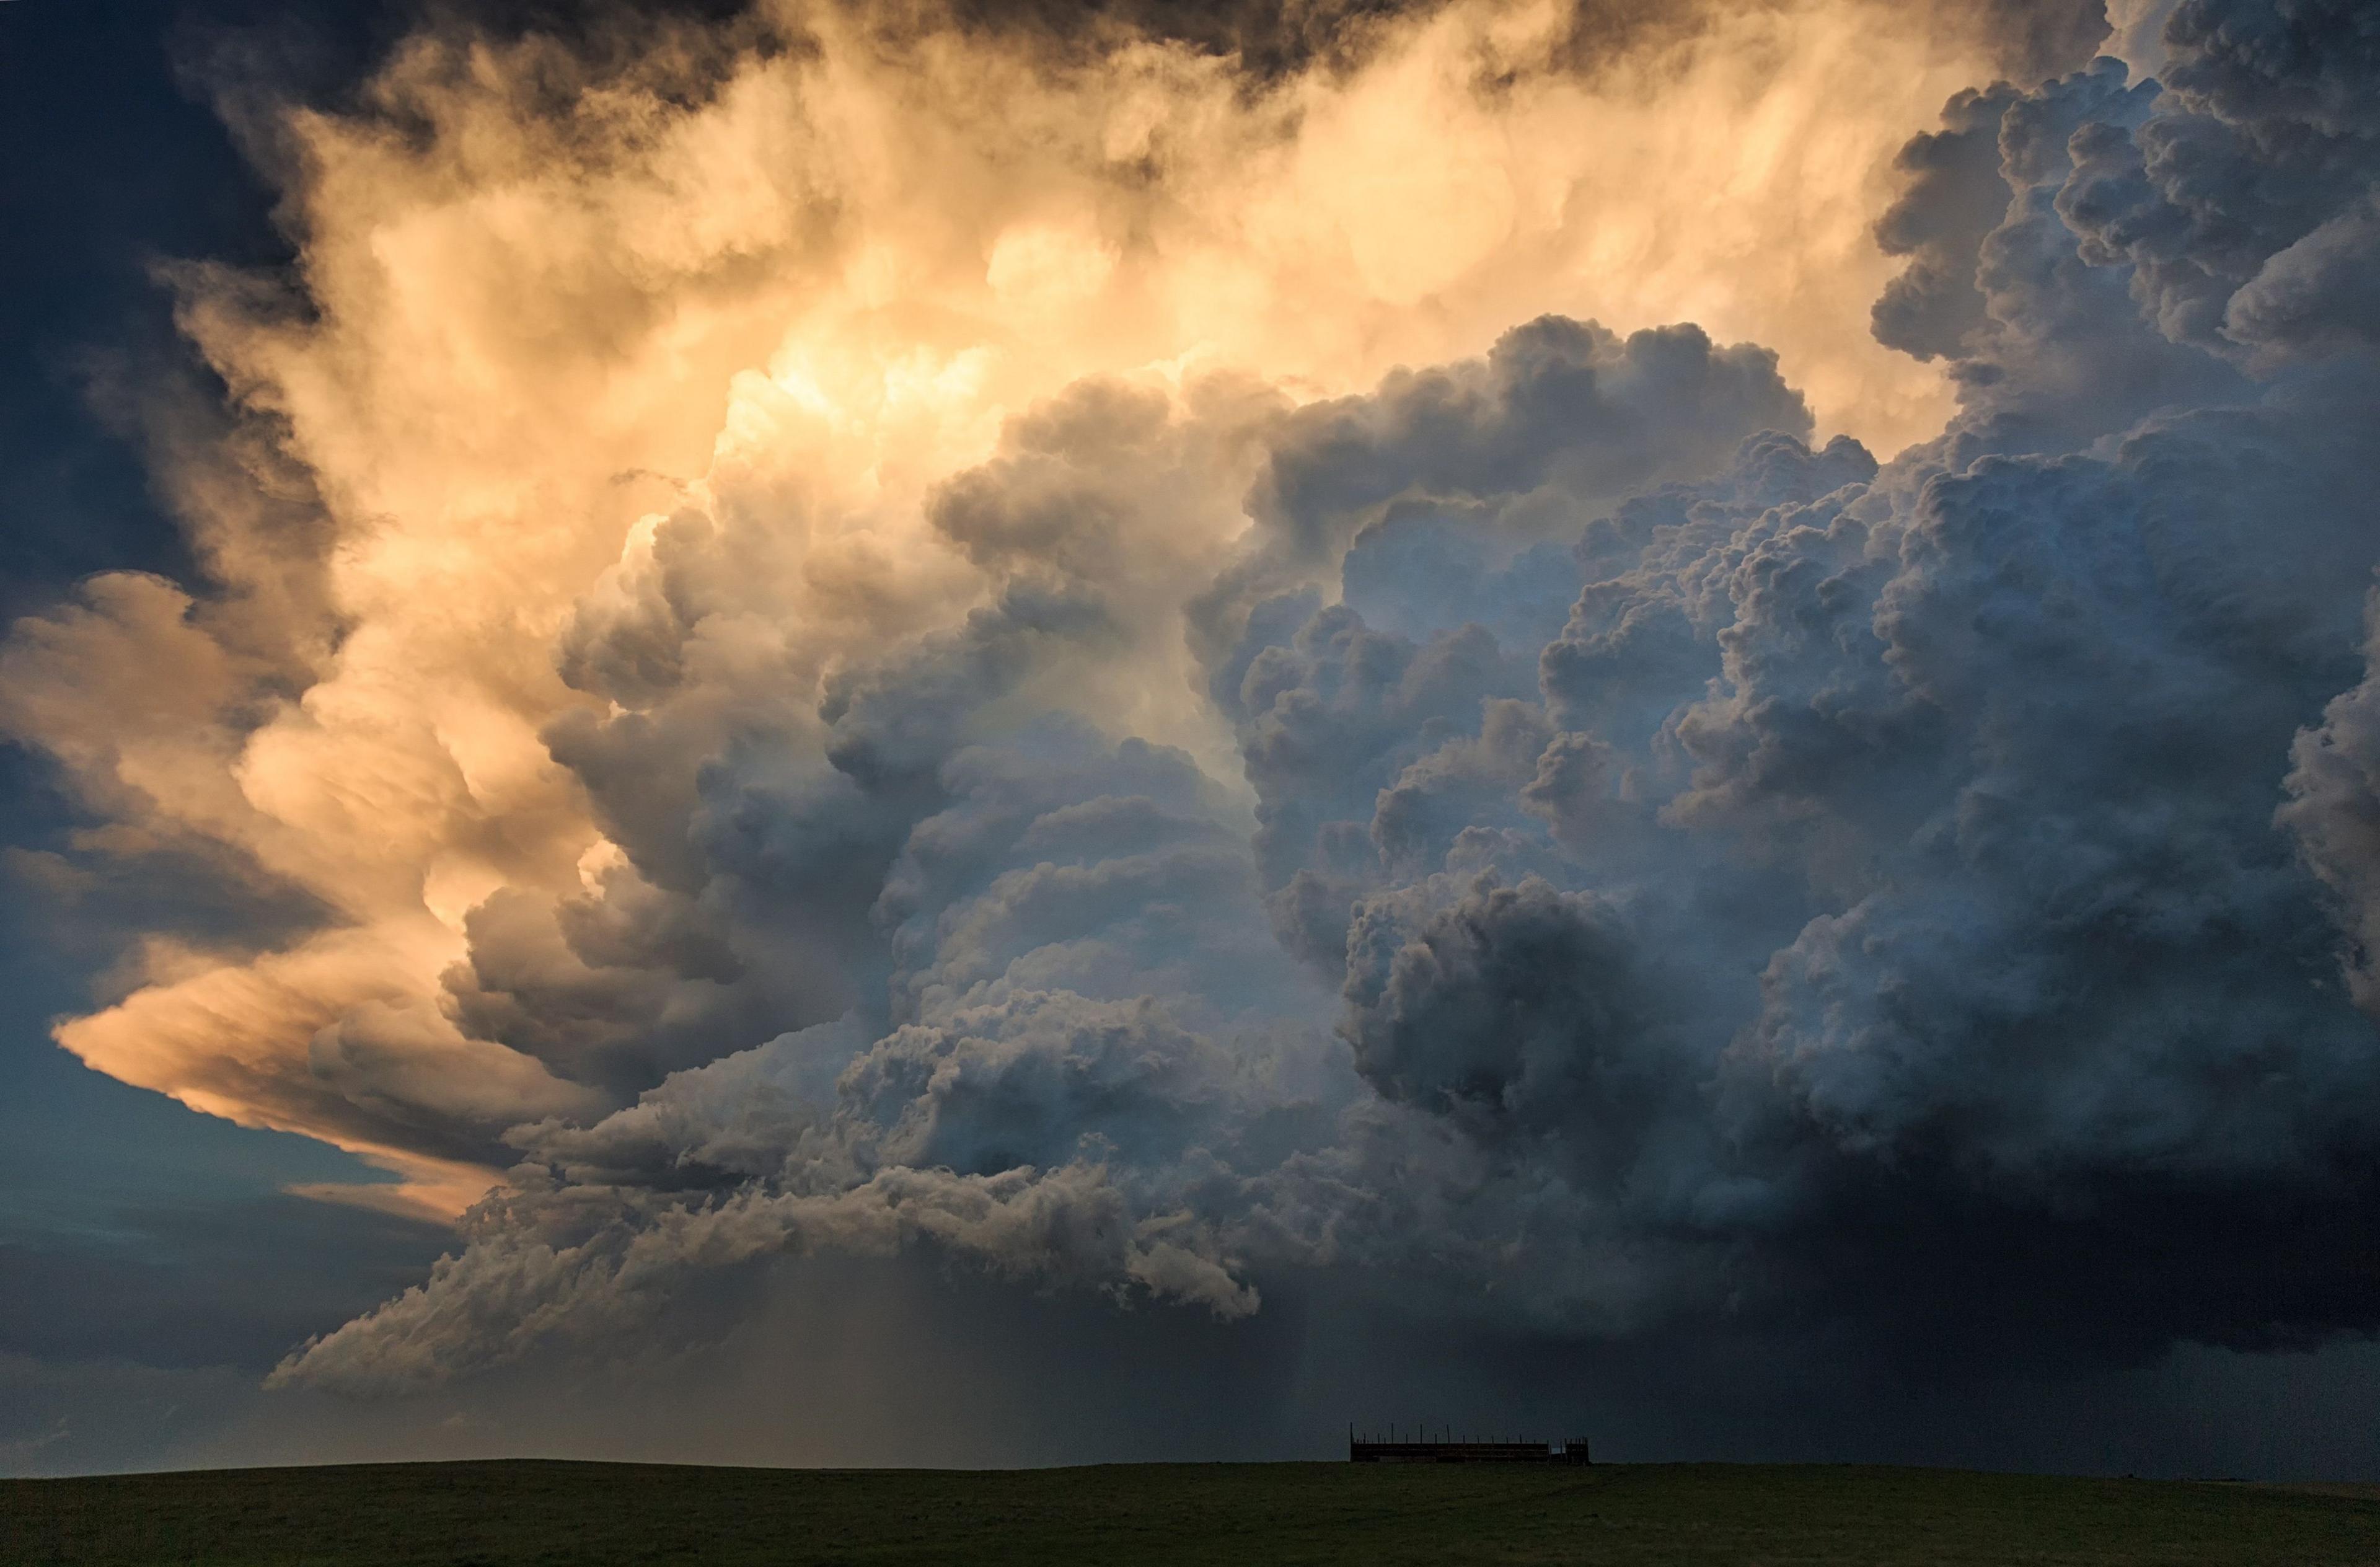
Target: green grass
596	1515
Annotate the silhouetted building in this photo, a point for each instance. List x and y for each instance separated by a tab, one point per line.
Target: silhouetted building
1449	1449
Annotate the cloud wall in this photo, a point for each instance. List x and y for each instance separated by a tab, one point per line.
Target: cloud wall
1160	671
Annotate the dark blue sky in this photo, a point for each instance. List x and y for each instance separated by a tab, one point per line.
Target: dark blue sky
132	1229
130	1226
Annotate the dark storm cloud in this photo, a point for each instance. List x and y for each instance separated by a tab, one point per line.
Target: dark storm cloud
2235	202
1687	880
1954	196
1758	886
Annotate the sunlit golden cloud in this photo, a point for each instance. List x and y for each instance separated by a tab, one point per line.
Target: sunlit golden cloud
539	308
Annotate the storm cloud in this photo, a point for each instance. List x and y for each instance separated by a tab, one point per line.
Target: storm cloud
1552	829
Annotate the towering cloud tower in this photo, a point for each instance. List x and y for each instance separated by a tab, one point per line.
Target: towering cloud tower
1583	680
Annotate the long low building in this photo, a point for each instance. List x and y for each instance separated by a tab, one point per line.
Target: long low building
1573	1450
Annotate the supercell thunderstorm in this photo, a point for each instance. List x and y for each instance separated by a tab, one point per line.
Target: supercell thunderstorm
1532	818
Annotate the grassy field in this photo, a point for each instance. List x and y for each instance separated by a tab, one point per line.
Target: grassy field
595	1515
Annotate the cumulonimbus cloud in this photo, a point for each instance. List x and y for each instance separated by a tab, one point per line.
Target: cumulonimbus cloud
873	637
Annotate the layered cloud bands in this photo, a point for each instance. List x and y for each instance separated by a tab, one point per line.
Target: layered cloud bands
862	637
